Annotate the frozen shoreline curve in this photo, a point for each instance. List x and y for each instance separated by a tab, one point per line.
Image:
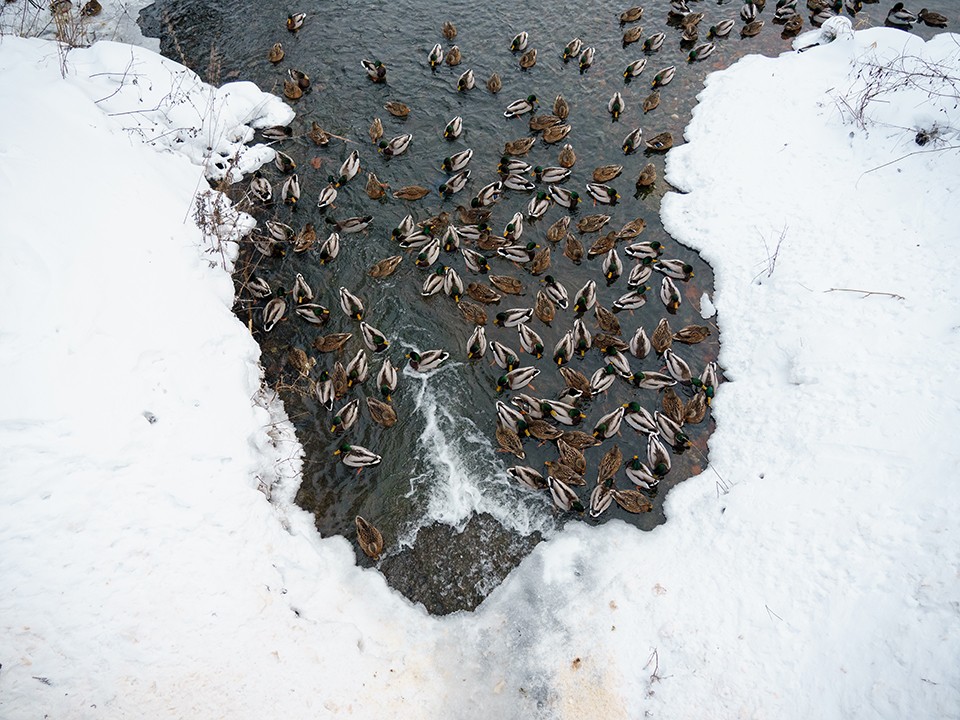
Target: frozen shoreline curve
812	571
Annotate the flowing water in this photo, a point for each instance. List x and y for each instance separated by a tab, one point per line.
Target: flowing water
441	474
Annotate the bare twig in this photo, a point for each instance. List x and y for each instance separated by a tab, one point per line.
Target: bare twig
771	258
866	293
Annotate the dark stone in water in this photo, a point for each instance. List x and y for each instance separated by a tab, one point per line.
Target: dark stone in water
443	569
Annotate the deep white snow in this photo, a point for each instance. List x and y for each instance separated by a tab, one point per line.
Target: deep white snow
813	571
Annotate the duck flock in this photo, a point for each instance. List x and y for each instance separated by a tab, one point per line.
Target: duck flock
497	250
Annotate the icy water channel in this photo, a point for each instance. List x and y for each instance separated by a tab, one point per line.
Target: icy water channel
454	523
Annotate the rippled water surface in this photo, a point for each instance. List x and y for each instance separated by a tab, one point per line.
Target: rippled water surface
440	462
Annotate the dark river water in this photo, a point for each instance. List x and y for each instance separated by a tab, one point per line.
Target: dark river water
440	465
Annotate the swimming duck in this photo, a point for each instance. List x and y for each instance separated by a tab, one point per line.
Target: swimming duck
528	59
671	430
387	379
631	300
357	456
556	292
660	143
261	189
572	49
586	59
573	249
513	230
397	109
564	198
557	231
374	188
640	475
638	277
676	269
507	284
291	90
376	130
291	190
396	146
540	261
539	123
602	379
567	157
632	35
277	132
455	183
352	225
510	417
346	417
564	349
453	288
603	194
373	338
749	11
793	25
504	356
301	290
513	317
610	463
658	458
586	298
530	341
563	413
433	283
528	477
428	360
348	170
295	21
449	30
538	206
454	57
551	174
381	413
477	343
318	135
650	249
677	367
339	376
358	369
632	501
648	176
603	245
483	293
696	409
652	380
639	418
634	69
411	192
689	36
435	56
631	14
664	76
932	19
654	42
274	310
428	254
520	107
494	83
563	496
721	29
329	249
701	52
351	305
466	81
615	105
898	16
457	162
385	267
612	268
517	379
669	295
332	342
376	70
608	425
518	147
751	28
519	42
276	53
556	133
632	141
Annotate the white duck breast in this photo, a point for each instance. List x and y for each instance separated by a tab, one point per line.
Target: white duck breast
639	275
503	356
632	141
640	344
608	425
556	292
563	350
466	81
477	345
513	317
513	166
664	76
455	183
387	378
351	305
428	360
457	162
631	300
640	475
654	42
435	56
358	457
530	341
563	197
586	58
454	128
429	254
615	105
327	197
634	69
514	228
538	206
452	284
519	183
291	190
451	239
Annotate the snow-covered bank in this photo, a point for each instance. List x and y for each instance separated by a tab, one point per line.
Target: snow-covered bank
143	574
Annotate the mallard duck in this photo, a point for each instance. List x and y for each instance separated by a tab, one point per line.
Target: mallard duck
276	53
538	206
640	475
658	458
579	439
466	81
519	42
576	380
608	425
324	391
513	317
606	320
932	19
352	225
652	380
631	300
564	349
654	42
376	70
689	36
643	251
567	157
457	161
433	283
793	25
358	369
368	537
749	11
518	147
346	416
563	496
510	417
610	463
449	30
520	107
428	254
261	189
631	501
348	170
563	413
528	477
538	123
373	338
274	310
660	143
356	456
818	18
638	277
571	455
397	109
603	245
381	413
632	141
517	378
512	231
632	35
701	52
669	295
386	267
376	130
454	57
586	298
898	16
451	239
573	249
280	231
530	341
721	29
528	59
572	49
639	418
544	308
387	379
633	70
453	288
664	77
690	22
396	146
603	194
672	407
291	90
411	192
295	21
291	190
586	59
300	78
338	375
504	356
483	293
435	56
301	290
329	249
677	269
556	133
511	165
351	305
615	105
494	83
602	379
677	367
258	287
564	198
556	292
541	430
564	473
648	176
507	284
318	135
331	343
662	336
477	343
455	183
678	8
427	360
557	231
631	14
540	261
475	261
751	28
696	409
782	14
374	188
550	174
